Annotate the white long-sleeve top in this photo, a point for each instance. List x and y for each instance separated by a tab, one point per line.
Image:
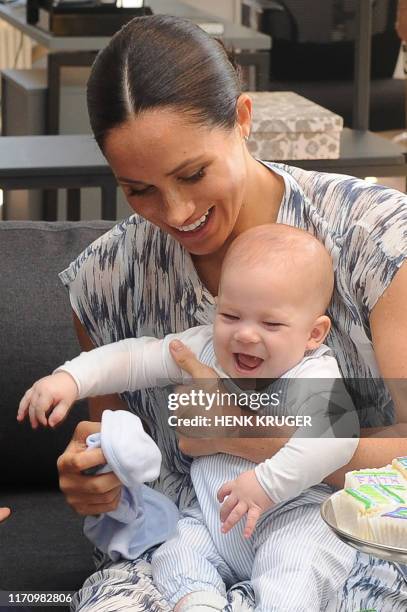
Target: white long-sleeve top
138	363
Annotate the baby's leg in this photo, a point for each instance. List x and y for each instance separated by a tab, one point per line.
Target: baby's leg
189	563
299	562
122	585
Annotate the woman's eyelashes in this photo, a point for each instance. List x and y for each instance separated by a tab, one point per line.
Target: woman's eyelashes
131	192
193	178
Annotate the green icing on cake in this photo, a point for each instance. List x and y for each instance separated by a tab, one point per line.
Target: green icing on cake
372	495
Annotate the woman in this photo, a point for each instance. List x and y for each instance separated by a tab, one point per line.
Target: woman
167	110
4	513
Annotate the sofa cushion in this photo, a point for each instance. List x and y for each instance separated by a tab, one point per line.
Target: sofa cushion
31	547
36	335
43	548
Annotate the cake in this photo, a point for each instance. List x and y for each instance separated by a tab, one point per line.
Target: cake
373	504
355	507
390	527
388	475
400	464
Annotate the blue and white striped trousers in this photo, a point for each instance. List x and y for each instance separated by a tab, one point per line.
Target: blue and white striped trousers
294	561
127	586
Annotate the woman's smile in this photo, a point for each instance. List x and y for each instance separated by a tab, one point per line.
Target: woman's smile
197	230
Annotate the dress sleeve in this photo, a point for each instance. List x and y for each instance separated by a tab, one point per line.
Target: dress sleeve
105	279
376	244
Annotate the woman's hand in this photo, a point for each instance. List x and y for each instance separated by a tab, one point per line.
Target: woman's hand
188	362
4	513
254	449
401	22
185	359
207	379
87	495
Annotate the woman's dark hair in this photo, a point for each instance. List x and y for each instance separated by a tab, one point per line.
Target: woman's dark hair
159	61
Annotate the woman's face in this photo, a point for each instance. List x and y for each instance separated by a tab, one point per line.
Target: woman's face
187	179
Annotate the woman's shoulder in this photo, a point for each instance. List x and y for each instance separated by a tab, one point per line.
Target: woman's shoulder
348	197
132	240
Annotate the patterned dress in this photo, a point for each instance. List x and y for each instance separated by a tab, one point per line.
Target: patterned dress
136	281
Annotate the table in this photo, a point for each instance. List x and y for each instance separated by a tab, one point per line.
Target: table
362	153
72	162
57	162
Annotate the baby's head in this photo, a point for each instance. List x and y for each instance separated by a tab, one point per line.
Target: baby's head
275	286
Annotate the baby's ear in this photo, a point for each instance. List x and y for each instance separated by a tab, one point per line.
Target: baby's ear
319	332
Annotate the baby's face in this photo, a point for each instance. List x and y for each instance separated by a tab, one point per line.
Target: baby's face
263	322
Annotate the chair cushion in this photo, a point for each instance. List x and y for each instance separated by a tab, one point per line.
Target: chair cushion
42	545
36	335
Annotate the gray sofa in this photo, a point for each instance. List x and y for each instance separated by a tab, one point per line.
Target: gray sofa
41	544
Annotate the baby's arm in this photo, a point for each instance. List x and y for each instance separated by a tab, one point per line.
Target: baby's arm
57	392
303	461
127	365
244	495
314	451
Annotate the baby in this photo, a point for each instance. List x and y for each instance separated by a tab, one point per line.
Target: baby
270	323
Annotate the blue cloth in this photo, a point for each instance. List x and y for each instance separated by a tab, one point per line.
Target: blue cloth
144	517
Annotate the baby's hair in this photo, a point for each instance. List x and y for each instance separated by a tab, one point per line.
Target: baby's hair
162	61
288	249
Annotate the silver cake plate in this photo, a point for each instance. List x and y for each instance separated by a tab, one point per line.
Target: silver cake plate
388	553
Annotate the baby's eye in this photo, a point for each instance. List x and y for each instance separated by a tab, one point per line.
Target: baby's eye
229	317
271	324
194	178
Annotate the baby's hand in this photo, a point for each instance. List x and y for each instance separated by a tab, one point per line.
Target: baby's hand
244	495
56	392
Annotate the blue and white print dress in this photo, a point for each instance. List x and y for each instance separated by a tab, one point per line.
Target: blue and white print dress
136	280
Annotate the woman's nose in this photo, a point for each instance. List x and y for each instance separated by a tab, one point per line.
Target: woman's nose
178	210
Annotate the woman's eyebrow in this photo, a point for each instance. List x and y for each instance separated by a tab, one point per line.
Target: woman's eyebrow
185	163
124	179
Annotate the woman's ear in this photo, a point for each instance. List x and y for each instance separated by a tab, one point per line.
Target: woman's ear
244	109
319	332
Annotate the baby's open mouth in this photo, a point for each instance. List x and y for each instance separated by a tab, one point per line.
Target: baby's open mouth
247	362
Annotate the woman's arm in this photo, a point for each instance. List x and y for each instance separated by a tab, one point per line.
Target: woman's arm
388	323
88	495
4	513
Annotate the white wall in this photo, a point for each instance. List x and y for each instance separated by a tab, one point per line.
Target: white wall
227	9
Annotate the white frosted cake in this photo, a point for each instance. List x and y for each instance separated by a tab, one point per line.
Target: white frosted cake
400	464
390	527
373	504
381	476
